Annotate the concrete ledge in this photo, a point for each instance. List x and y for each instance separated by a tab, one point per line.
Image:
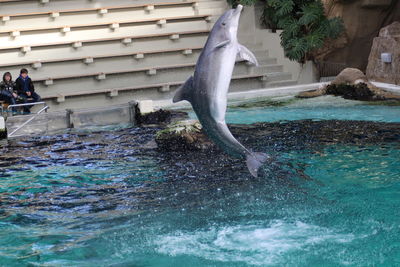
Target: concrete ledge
44	123
388	87
58	121
99	116
249	95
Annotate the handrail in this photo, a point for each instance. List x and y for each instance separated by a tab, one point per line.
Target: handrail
26	104
10	107
28	121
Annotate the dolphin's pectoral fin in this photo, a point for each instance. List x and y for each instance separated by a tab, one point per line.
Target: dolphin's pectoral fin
254	161
247	55
222	44
184	91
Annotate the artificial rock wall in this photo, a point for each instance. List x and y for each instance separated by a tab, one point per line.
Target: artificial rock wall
363	20
387	42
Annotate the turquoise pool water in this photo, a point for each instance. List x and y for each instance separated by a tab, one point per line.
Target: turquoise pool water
321	108
111	199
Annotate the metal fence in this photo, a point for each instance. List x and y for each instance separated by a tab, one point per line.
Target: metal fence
329	69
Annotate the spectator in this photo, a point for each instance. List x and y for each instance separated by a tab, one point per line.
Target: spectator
26	90
7	89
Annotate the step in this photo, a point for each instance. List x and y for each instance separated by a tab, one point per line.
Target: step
245	85
125	78
96	49
269	68
109	64
88	34
266	61
254	47
70	19
116	67
33	6
281	83
260	53
213	4
215	13
124	96
275	76
210	0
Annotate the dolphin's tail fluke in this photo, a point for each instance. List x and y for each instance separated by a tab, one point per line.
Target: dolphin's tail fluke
254	161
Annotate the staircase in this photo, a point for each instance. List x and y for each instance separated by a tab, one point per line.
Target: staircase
83	54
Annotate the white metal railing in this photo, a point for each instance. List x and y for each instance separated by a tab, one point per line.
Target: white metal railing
10	107
44	109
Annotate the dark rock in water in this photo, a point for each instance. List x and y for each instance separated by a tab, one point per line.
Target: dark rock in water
277	136
159	117
306	136
264	103
308	133
352	84
183	135
359	91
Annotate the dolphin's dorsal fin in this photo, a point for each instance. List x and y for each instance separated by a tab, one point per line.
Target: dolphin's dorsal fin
184	91
247	55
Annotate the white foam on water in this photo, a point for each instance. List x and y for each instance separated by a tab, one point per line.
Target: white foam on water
252	244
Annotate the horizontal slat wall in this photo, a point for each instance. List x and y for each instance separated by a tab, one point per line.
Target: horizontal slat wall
103	48
35	6
86	34
112	14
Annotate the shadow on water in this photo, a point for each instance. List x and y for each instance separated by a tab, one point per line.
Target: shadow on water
73	191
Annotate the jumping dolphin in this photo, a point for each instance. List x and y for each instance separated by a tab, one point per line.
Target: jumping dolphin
207	89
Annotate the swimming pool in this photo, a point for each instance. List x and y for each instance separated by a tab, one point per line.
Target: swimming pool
110	198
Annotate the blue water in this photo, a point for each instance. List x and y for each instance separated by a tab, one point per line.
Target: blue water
321	108
111	199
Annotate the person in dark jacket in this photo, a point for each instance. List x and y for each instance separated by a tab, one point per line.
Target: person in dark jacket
7	89
26	89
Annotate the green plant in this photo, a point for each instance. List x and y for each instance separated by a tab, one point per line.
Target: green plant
305	28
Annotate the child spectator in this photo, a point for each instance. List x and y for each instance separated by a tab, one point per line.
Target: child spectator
26	90
7	89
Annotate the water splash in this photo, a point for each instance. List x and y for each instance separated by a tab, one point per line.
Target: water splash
252	244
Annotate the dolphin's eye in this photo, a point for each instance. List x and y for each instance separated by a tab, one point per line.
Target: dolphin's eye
223	23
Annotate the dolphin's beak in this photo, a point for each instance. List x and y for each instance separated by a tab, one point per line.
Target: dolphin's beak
238	9
236	14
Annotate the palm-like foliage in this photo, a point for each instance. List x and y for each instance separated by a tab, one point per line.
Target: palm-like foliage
305	28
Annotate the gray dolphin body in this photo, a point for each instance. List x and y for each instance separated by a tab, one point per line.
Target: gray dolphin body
207	89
